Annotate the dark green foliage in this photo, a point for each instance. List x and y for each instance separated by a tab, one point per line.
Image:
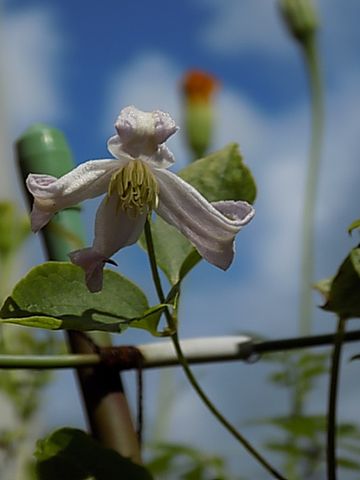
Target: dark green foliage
73	455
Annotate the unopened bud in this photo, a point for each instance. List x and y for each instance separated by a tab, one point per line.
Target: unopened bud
199	88
300	18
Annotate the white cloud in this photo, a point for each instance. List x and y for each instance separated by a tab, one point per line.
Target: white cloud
255	26
244	26
31	48
148	73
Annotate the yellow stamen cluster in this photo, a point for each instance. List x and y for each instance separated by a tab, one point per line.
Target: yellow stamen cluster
136	187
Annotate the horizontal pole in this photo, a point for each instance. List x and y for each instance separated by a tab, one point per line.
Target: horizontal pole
162	354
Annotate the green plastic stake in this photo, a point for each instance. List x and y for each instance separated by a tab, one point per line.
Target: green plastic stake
44	150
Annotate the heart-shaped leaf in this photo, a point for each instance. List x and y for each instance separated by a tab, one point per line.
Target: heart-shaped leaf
54	296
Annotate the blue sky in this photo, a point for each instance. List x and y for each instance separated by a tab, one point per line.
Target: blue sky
76	64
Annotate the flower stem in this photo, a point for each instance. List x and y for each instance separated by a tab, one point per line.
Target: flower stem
186	368
312	180
333	390
153	264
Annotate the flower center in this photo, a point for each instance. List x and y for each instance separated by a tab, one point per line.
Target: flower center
136	188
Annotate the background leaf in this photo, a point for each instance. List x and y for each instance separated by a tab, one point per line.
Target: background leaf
219	176
54	296
14	228
324	287
344	295
354	225
72	454
222	176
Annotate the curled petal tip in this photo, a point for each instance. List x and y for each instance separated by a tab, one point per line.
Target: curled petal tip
92	263
39	218
38	184
239	211
164	126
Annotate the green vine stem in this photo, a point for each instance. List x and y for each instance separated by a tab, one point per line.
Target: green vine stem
312	180
171	320
333	391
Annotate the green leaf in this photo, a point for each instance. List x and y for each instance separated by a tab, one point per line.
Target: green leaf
354	225
324	286
219	176
54	296
222	176
308	426
173	251
14	228
348	463
175	460
344	295
287	449
150	320
72	454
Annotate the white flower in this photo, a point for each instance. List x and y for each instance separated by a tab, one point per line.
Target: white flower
136	182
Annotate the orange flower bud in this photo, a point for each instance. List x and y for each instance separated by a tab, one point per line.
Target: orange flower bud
199	86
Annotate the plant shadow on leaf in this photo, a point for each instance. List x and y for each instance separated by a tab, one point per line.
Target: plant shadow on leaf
90	319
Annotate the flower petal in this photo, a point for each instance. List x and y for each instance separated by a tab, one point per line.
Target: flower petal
92	263
52	194
140	133
210	228
87	180
115	147
39	218
133	123
165	126
114	229
162	158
